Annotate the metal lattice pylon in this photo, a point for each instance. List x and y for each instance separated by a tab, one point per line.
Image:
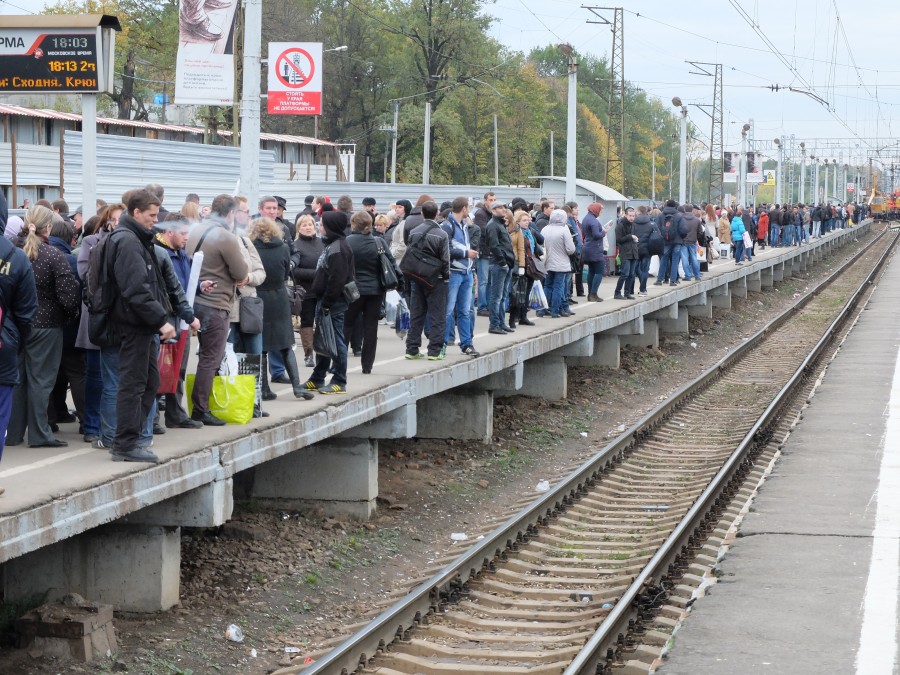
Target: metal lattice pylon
716	137
615	127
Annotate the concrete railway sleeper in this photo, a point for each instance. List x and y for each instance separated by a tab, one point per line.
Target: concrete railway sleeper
565	584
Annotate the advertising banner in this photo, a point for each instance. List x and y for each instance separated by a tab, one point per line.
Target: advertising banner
204	65
295	78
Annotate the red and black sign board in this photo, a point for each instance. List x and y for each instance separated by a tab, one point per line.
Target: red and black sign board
295	78
36	60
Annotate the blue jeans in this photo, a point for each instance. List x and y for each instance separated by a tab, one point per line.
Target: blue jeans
738	250
775	238
668	263
338	366
276	364
483	270
109	373
643	271
498	291
459	304
555	289
626	277
93	390
247	343
595	276
689	261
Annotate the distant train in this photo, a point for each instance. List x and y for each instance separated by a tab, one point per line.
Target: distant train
885	207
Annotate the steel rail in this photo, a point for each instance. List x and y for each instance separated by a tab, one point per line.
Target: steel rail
449	585
613	629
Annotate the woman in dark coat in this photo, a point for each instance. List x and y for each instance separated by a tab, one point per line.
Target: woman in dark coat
278	329
59	300
367	266
308	249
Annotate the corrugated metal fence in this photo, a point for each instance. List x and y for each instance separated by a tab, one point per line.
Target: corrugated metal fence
35	164
126	163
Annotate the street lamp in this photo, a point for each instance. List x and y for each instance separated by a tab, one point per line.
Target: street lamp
682	160
778	180
803	173
744	130
342	48
567	50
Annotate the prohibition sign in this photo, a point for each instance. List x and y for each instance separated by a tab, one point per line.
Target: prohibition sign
295	68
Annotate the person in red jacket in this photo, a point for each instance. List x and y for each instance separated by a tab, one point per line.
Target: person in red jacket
762	229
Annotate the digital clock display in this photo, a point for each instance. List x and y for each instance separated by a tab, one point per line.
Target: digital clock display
35	61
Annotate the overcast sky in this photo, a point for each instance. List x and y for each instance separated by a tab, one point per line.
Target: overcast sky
815	57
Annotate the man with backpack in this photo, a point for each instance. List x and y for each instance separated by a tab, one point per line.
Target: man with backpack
426	266
671	227
139	311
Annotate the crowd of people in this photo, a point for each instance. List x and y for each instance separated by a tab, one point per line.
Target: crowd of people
86	304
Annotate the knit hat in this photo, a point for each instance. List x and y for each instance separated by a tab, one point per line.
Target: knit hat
13	227
558	217
335	222
595	208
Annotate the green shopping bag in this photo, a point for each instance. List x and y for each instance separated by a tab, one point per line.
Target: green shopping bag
231	398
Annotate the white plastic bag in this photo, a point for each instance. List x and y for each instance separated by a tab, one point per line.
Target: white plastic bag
229	365
391	302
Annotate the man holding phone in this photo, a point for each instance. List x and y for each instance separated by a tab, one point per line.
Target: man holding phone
223	271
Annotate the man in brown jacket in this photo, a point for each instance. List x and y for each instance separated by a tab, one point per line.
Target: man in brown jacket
224	265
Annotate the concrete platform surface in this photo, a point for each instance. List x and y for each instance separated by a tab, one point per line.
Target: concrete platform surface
53	494
799	584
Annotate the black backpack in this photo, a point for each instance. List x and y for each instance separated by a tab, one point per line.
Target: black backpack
668	228
419	264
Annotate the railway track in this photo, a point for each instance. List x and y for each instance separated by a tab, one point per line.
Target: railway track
567	584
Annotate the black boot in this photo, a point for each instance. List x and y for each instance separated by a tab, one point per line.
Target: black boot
267	394
290	367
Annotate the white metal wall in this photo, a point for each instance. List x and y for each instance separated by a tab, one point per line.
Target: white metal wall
35	164
127	163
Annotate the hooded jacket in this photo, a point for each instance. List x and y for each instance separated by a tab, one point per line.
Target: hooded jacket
693	225
643	227
335	267
558	244
628	247
141	304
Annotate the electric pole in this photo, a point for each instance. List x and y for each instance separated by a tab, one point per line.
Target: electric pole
716	138
615	136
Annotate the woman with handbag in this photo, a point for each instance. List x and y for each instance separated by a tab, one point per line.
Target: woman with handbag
519	288
58	301
307	250
277	329
246	326
368	250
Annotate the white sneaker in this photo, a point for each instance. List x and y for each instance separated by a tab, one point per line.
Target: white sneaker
642	294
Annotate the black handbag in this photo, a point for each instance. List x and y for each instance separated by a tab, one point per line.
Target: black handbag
518	296
534	268
387	270
324	337
351	292
251	315
296	296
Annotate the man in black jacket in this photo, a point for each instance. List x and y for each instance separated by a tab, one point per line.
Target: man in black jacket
428	296
503	262
18	301
483	264
335	270
139	313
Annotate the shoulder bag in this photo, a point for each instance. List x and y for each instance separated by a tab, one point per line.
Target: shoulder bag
387	270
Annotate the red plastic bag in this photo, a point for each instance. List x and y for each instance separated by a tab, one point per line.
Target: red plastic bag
169	360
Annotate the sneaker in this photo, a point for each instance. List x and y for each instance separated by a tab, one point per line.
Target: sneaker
414	356
281	379
136	455
618	296
158	430
440	356
208	419
90	438
496	331
657	283
309	362
469	350
312	386
99	444
333	389
642	294
673	283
